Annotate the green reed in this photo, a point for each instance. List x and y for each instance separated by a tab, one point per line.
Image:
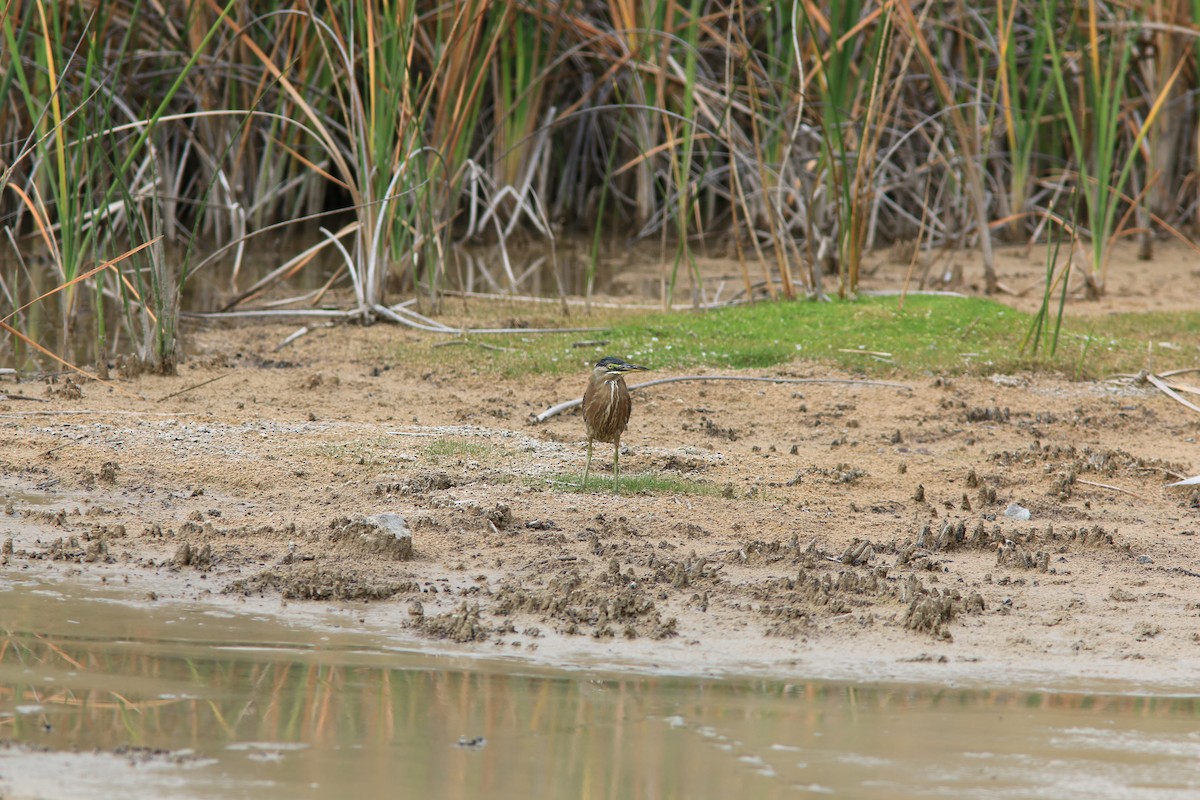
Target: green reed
1097	113
1023	90
1042	329
794	137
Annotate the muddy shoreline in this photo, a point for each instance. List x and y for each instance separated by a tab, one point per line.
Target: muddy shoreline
836	532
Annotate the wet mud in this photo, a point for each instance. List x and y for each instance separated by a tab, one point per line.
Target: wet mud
997	523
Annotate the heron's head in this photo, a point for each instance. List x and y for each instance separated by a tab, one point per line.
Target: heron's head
610	367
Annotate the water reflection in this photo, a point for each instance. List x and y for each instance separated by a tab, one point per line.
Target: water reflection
283	708
537	270
267	275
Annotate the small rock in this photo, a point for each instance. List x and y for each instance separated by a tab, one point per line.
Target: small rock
391	536
385	534
1016	512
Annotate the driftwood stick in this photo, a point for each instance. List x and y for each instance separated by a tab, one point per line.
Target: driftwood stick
531	330
303	331
1162	386
271	312
570	404
397	314
571	301
195	386
1192	481
1111	488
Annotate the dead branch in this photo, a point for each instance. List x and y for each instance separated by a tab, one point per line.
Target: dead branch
1162	386
1109	487
570	404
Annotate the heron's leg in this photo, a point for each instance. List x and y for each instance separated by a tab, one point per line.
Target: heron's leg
587	466
617	464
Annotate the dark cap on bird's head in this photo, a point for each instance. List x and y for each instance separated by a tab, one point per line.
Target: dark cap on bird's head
617	366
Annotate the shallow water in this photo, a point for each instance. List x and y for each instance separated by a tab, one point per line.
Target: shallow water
251	707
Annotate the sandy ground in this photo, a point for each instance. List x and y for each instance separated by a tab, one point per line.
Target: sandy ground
850	530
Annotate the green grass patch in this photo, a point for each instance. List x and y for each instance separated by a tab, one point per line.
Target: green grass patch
871	336
1155	341
631	483
453	449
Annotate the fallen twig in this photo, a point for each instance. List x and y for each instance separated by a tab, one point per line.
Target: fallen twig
303	331
401	313
426	324
852	351
1184	387
395	314
533	330
570	404
194	386
483	345
1110	488
521	298
271	312
1162	386
291	337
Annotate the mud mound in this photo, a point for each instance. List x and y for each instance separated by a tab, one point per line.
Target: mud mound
599	606
314	582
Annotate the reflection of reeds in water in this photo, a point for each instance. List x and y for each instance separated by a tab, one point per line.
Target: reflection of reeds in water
374	725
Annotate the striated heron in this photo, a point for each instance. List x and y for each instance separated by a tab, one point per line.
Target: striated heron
606	407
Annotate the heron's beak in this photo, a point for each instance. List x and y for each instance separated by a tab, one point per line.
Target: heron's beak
623	368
